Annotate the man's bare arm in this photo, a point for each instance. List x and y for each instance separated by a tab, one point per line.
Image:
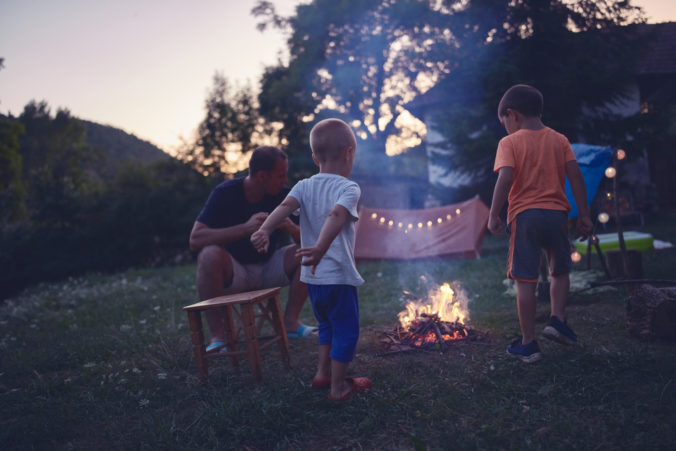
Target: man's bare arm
202	235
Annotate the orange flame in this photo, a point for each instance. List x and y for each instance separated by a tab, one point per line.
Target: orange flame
441	301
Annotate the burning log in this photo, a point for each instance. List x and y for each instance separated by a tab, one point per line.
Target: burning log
427	324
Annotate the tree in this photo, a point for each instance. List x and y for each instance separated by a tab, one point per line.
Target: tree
357	60
12	190
59	170
231	129
579	54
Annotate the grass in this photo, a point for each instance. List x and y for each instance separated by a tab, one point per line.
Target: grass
105	361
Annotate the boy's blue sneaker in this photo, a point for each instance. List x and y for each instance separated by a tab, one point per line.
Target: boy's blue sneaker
528	353
559	332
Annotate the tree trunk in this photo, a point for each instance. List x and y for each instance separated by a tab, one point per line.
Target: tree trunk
651	313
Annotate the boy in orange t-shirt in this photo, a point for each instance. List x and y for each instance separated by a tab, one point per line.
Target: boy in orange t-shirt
533	162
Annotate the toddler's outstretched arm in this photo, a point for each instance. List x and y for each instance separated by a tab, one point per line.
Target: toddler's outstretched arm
332	226
261	237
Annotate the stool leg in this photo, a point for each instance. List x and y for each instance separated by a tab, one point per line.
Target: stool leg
252	347
280	329
197	338
230	334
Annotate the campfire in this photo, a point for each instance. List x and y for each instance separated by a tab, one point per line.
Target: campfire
432	323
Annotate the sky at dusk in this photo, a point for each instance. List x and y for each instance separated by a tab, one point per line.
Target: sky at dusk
144	66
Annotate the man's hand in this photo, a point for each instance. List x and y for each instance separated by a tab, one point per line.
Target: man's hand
583	227
255	221
311	256
287	225
495	225
260	241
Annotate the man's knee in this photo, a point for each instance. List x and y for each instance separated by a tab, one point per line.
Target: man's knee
291	261
213	258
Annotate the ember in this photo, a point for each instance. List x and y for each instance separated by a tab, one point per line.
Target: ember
434	322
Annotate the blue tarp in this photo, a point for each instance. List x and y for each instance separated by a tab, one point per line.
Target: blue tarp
593	161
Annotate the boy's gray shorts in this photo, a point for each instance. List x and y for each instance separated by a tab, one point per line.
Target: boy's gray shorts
530	232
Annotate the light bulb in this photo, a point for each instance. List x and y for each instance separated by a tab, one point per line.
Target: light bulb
576	257
621	154
603	217
610	172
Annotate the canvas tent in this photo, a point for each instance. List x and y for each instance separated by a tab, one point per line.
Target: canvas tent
451	231
593	161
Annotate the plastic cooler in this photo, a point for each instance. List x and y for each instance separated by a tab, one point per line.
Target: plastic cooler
638	241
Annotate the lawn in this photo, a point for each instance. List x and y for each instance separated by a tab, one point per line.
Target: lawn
105	361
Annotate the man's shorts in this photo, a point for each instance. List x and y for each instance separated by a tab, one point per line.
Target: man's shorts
336	308
259	276
534	230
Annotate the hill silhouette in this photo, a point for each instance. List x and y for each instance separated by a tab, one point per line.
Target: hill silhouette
120	146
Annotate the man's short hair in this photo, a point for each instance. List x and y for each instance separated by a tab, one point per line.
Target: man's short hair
264	158
330	138
525	99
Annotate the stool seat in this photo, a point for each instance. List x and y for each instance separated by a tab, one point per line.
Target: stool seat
240	306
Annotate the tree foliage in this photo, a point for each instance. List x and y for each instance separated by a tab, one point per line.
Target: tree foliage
357	60
58	167
230	130
12	190
65	212
579	54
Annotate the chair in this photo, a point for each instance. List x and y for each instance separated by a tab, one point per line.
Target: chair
240	308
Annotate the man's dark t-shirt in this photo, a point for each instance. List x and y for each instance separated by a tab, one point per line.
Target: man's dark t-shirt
227	206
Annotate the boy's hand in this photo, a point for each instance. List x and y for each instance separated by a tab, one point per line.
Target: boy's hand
584	227
311	256
260	241
495	225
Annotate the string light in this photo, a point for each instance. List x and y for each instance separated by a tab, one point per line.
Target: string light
603	217
621	154
594	239
457	211
610	172
609	195
576	257
382	220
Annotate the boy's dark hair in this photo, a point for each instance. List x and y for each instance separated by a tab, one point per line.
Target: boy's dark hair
264	158
525	99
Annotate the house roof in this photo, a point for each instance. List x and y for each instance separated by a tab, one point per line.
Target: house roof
661	57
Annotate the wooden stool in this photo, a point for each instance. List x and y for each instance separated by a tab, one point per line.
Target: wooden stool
268	302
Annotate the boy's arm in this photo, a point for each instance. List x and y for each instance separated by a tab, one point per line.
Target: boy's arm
576	180
500	193
260	238
332	226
